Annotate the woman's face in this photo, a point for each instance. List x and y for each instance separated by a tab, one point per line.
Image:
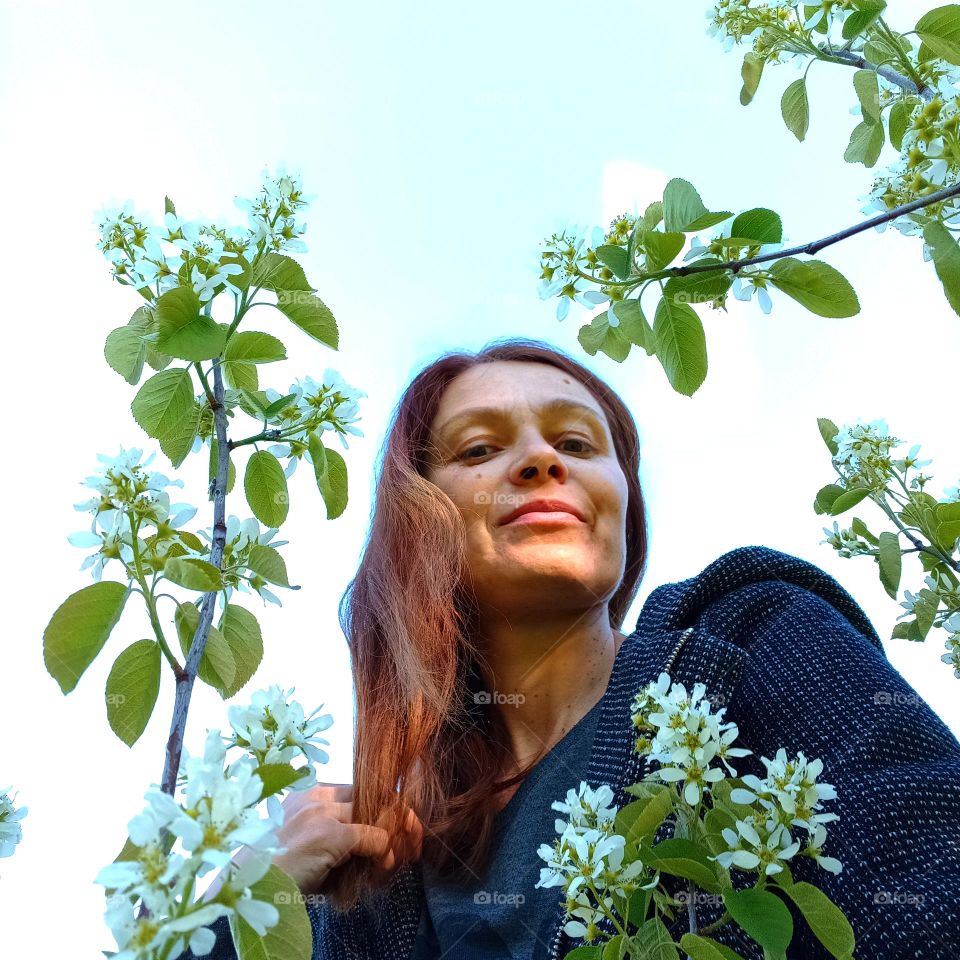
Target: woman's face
491	462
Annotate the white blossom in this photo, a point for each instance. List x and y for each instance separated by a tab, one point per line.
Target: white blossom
11	832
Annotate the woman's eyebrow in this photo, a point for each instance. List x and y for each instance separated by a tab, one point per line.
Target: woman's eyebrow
502	413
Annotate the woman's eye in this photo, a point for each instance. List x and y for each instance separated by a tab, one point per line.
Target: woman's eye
586	446
469	453
466	455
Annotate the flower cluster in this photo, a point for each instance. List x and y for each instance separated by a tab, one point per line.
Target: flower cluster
929	159
687	736
240	538
775	29
330	405
569	265
128	496
11	832
863	457
275	731
952	656
846	542
587	860
216	815
202	256
788	796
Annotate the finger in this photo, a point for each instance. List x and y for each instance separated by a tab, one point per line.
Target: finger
340	792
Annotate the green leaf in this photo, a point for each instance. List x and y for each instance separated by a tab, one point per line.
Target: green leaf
641	819
168	206
217	666
826	497
184	331
890	562
661	248
681	346
848	499
759	224
858	20
815	285
163	403
277	777
310	314
241	632
763	915
633	324
750	72
898	121
240	375
276	272
132	688
948	525
193	574
615	344
824	917
795	107
231	469
178	442
292	936
860	529
866	142
591	335
939	29
680	857
79	628
252	346
586	952
274	408
654	941
653	214
683	210
702	948
867	88
615	258
614	949
946	260
265	487
125	351
268	563
331	474
715	821
829	431
704	286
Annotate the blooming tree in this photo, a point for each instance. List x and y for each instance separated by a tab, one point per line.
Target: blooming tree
205	374
610	869
907	93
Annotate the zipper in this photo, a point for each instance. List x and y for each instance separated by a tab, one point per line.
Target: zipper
635	761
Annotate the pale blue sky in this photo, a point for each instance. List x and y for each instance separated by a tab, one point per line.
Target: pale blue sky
443	143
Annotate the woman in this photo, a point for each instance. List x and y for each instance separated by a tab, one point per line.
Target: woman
508	540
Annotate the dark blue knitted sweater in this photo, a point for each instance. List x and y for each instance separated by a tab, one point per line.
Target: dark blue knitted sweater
797	664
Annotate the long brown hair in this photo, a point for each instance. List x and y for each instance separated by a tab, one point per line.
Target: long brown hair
422	738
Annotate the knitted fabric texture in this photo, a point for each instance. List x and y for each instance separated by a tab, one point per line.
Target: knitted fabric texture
797	664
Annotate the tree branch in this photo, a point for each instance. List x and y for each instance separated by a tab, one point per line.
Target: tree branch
849	58
184	687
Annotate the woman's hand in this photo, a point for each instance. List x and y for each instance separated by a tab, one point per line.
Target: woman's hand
319	836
